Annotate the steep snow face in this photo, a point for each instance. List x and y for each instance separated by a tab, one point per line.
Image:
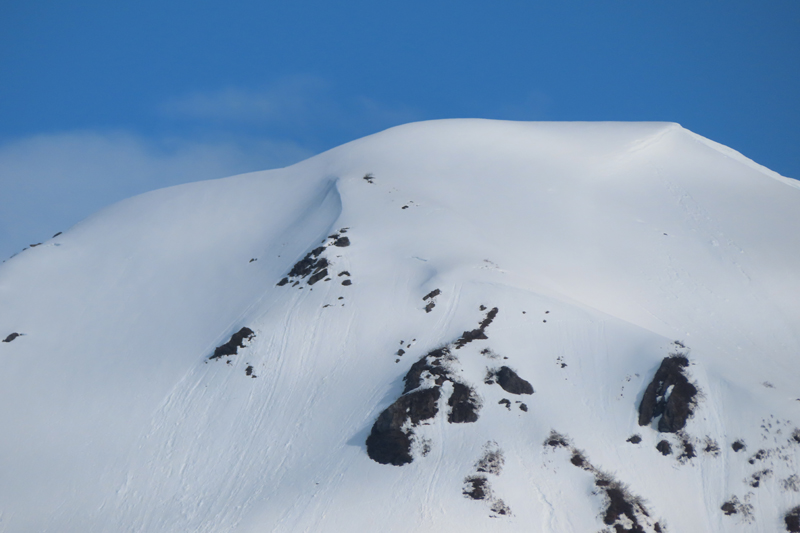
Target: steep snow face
452	326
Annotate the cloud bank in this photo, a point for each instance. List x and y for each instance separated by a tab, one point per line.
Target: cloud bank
51	182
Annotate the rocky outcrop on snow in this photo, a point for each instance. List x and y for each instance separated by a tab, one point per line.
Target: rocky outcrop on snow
236	341
670	397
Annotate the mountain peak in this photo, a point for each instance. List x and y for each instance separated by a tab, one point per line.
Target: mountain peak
450	325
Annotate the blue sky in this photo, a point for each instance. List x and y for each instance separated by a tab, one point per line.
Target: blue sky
101	100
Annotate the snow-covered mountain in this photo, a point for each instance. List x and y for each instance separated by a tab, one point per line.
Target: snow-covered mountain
457	325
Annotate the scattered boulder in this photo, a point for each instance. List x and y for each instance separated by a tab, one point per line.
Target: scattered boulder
669	395
11	337
664	447
434	293
759	455
738	445
511	382
232	346
634	439
755	479
431	296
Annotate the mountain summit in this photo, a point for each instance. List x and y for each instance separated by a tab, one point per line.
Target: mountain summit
458	325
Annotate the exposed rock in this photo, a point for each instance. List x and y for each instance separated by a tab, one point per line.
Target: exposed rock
491	462
759	455
792	520
578	459
664	447
477	487
735	507
432	294
755	479
511	382
738	445
388	442
669	395
318	276
634	439
506	402
431	362
500	507
479	333
688	449
711	447
729	507
464	405
308	264
624	512
11	337
232	346
347	282
341	242
556	440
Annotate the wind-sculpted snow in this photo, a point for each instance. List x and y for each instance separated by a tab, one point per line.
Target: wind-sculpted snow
420	308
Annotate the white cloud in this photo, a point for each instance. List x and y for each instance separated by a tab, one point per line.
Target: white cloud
290	99
50	182
304	106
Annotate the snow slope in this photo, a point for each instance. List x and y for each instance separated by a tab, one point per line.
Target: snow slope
600	245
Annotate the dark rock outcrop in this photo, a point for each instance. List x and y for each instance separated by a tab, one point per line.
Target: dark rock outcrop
477	487
232	346
669	395
388	443
431	362
11	337
511	382
479	333
664	447
792	520
463	404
